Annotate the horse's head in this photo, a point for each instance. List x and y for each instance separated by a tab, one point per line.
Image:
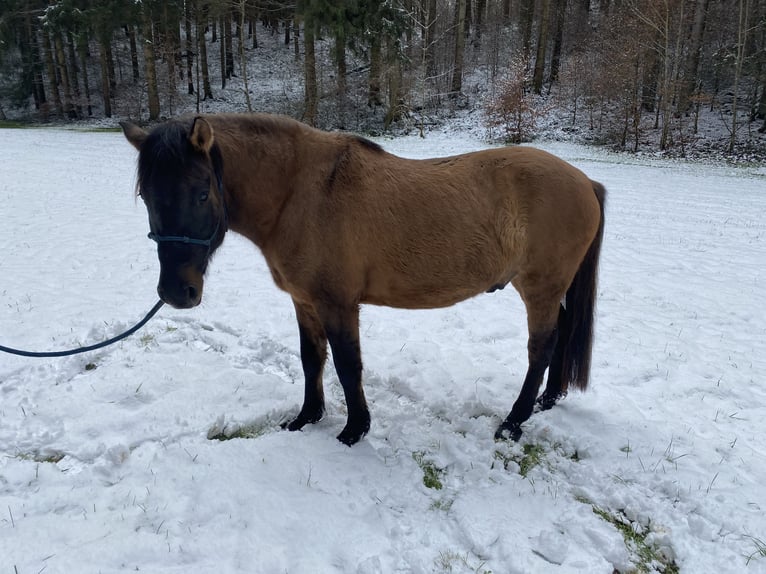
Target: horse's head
180	181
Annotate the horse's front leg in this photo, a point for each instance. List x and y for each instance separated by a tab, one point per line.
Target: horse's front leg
342	327
313	357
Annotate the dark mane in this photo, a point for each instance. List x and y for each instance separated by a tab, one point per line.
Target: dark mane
166	145
369	144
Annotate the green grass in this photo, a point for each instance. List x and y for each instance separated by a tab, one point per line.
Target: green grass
51	457
647	558
245	431
450	562
532	456
759	552
431	473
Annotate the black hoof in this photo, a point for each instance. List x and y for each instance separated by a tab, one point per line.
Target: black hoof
354	432
548	401
304	419
508	431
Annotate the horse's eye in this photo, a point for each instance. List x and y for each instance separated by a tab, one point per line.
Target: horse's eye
203	196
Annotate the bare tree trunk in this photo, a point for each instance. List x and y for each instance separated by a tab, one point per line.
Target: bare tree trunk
51	70
394	74
150	64
82	49
188	12
200	23
73	76
558	40
227	33
103	59
376	65
691	82
242	59
741	52
130	31
429	38
542	44
340	63
31	46
457	71
310	74
526	17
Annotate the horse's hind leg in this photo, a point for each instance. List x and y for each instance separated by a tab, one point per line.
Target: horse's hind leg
313	357
540	347
556	387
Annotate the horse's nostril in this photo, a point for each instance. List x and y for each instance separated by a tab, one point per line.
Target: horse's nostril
191	292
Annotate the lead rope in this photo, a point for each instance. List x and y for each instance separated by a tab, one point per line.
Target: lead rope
79	350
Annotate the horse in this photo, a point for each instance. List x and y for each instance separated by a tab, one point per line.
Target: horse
341	222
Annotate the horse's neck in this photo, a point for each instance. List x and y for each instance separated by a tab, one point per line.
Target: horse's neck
257	184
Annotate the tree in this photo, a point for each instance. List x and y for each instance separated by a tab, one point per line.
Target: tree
460	22
147	31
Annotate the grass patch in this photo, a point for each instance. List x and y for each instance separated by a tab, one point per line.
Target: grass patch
431	472
531	456
250	431
8	124
146	339
52	457
760	550
451	562
648	559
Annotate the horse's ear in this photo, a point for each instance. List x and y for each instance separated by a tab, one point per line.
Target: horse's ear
134	134
201	135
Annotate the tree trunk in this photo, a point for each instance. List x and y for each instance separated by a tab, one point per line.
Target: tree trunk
103	59
526	18
201	22
150	64
457	72
130	32
558	40
242	59
740	54
429	38
82	51
394	111
73	75
340	62
227	33
691	83
376	65
189	46
310	74
51	70
542	44
34	62
222	53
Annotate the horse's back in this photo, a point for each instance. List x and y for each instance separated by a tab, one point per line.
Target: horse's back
445	229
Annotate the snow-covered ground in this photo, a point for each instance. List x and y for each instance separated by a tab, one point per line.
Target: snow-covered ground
106	460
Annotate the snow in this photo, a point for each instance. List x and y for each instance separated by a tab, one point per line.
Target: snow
106	464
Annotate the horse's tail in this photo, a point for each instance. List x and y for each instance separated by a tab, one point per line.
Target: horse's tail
576	319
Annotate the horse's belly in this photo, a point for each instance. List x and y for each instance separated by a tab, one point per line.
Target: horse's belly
407	292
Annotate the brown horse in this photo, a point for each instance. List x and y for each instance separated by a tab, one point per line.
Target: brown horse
341	222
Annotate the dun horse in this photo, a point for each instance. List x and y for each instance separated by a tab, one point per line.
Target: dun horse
341	222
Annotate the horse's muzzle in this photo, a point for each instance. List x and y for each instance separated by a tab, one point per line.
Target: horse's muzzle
185	298
179	292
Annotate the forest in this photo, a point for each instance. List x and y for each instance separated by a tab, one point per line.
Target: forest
635	74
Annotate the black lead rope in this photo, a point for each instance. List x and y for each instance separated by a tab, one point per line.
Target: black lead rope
79	350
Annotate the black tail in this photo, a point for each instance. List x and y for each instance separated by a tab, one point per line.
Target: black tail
575	326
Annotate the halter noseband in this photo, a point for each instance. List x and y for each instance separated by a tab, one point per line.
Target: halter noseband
216	157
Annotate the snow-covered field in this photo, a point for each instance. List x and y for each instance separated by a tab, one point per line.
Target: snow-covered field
107	462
